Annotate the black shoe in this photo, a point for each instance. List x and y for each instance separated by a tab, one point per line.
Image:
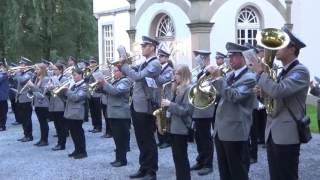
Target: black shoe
80	156
196	167
204	171
43	143
253	160
106	136
164	145
138	174
149	177
96	130
72	154
37	143
58	148
27	139
20	139
91	130
118	164
55	135
15	123
2	128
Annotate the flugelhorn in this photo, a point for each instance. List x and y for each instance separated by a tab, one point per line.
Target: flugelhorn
56	91
271	39
93	86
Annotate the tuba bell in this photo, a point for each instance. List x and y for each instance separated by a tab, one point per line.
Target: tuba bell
271	39
202	94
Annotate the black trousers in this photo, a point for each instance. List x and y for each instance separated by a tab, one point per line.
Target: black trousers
61	127
107	122
86	111
144	128
179	148
42	115
24	113
204	141
120	130
95	112
253	142
3	113
283	160
260	118
77	135
233	159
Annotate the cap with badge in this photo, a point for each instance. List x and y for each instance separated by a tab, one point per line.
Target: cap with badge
235	48
201	52
220	55
24	60
93	60
162	52
13	65
149	40
293	39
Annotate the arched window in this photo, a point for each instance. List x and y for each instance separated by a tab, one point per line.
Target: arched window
248	24
165	28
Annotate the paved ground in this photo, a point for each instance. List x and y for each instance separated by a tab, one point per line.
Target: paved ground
25	161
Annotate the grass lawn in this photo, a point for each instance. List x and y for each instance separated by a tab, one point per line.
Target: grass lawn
312	112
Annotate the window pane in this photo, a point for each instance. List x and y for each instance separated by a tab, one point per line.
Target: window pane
247	25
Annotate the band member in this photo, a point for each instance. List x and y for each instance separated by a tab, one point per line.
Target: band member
289	93
141	108
12	95
220	57
72	62
74	113
4	92
23	103
164	77
108	132
180	111
202	120
231	130
56	107
118	112
41	101
95	102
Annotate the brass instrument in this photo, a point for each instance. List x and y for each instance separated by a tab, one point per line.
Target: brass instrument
26	88
202	94
93	86
271	39
224	69
124	57
56	91
160	113
20	68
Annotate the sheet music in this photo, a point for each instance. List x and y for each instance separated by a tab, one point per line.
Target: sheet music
151	82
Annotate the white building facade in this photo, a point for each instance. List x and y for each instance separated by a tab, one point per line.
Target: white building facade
186	25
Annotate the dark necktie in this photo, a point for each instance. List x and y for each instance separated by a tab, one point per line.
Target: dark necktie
231	79
144	65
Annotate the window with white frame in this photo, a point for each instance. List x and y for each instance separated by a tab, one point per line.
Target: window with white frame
108	43
165	32
248	24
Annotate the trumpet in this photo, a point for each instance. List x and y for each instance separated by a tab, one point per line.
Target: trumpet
56	91
20	68
93	86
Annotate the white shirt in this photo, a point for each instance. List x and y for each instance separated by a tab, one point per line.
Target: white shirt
238	71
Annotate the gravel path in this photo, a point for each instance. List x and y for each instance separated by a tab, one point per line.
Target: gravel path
25	161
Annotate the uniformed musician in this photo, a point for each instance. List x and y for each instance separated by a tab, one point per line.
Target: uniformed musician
233	116
95	102
142	107
202	120
118	112
57	106
180	111
4	93
23	104
289	93
41	101
74	113
165	76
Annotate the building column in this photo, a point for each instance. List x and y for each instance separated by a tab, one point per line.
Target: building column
200	36
132	31
132	37
288	23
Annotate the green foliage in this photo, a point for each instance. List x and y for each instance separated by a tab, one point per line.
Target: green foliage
51	29
312	112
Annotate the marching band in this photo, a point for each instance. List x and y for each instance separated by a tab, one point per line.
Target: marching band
172	101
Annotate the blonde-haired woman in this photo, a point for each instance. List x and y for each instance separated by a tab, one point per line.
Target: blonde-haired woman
180	111
41	101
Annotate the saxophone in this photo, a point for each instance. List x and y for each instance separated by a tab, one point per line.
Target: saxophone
160	113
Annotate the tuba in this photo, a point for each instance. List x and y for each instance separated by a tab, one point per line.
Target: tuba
160	113
202	94
271	39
